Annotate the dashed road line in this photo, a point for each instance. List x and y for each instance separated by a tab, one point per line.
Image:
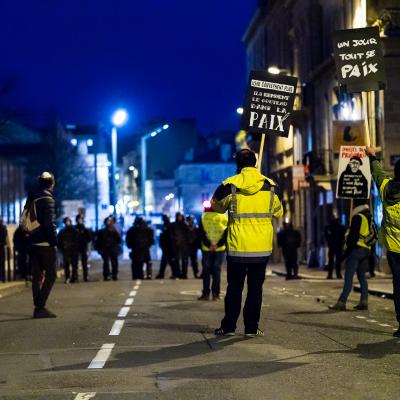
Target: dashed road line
101	356
85	396
360	317
133	293
117	327
371	320
136	287
129	301
123	312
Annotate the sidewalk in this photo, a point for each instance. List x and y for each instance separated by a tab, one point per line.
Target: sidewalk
9	288
380	286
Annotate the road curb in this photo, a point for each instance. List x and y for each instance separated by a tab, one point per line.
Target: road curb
10	288
376	292
301	275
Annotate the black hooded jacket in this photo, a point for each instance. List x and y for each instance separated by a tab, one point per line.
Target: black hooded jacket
46	215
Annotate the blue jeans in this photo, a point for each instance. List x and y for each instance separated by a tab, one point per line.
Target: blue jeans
357	262
212	262
394	263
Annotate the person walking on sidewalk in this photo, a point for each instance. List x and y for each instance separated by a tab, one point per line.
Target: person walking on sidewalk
40	211
21	247
167	256
68	242
85	236
4	246
252	201
212	235
360	237
180	245
389	190
289	240
108	244
193	245
334	235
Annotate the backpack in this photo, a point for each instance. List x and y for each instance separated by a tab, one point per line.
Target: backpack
372	238
28	221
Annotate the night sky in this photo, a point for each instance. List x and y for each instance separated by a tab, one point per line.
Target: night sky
158	58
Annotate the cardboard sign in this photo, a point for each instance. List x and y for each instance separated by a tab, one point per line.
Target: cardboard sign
269	103
348	133
359	59
354	174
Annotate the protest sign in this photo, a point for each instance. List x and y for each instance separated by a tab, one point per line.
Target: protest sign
269	103
354	174
359	59
348	133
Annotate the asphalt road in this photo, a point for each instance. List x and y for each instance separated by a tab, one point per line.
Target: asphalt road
164	347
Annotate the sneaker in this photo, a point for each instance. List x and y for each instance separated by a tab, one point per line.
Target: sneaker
340	276
204	298
149	277
361	307
339	306
258	332
106	278
216	297
397	333
222	332
43	313
159	276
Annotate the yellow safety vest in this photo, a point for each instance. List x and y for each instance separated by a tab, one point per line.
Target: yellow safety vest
251	208
365	231
214	225
390	222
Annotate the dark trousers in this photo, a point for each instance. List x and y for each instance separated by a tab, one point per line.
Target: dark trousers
107	259
237	273
181	266
2	263
43	265
292	268
137	269
23	264
394	263
212	262
165	260
335	260
84	260
70	260
194	263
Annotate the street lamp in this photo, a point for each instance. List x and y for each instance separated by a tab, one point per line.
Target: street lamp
240	110
118	119
274	70
143	167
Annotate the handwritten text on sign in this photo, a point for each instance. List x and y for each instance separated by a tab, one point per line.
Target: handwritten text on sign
269	103
359	59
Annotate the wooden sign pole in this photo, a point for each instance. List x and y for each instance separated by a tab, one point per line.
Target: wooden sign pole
260	154
364	97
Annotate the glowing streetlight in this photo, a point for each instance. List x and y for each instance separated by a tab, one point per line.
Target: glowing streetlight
118	119
274	70
240	110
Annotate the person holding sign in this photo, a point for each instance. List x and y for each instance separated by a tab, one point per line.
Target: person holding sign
359	239
352	181
389	190
252	202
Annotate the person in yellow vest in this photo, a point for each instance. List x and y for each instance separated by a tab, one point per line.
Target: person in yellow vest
357	252
389	190
252	201
212	235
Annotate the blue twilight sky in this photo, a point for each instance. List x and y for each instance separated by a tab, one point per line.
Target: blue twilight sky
158	58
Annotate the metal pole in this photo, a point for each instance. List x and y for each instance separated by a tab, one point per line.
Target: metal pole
96	190
114	165
143	168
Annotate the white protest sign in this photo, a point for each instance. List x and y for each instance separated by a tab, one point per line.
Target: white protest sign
354	174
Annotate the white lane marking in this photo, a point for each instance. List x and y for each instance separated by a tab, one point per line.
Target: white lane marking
136	287
85	396
138	282
123	312
129	301
102	356
371	320
386	325
133	293
360	316
116	328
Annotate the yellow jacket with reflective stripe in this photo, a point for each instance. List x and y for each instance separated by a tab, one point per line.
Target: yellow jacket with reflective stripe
390	221
251	201
214	225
